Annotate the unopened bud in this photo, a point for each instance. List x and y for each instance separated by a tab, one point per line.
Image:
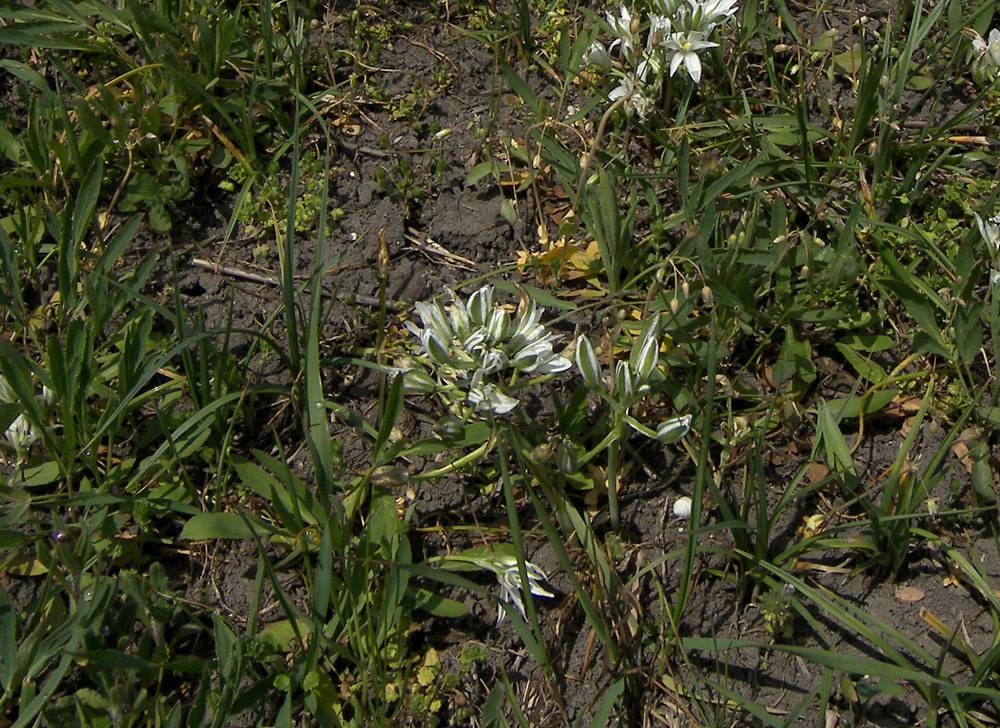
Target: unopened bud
633	27
389	476
685	289
706	295
449	429
804	272
566	458
674	305
542	453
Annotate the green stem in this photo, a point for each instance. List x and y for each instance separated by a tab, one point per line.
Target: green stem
609	438
614	450
456	464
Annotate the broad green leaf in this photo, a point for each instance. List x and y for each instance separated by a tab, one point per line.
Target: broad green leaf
43	474
479	171
522	89
390	413
436	604
206	526
115	660
862	404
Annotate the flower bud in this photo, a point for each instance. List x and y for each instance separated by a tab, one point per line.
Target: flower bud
675	305
498	324
646	349
542	453
415	380
448	429
481	305
587	364
566	458
673	429
624	386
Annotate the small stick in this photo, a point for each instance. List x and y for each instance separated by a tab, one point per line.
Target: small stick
243	275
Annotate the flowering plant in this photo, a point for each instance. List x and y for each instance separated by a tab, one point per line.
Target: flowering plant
470	345
989	229
677	33
500	559
509	577
628	382
985	57
21	434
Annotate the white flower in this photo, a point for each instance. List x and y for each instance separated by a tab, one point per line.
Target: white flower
667	7
47	396
530	346
986	60
683	48
659	29
21	433
990	231
625	28
708	14
597	55
464	344
486	397
509	577
631	89
622	26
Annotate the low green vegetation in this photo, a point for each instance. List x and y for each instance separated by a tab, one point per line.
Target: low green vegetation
736	375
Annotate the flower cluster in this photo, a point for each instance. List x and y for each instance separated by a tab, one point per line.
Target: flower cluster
986	57
471	344
677	32
990	230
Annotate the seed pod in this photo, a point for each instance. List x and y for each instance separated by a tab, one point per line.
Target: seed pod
706	295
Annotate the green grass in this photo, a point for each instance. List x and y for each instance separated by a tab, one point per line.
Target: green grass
803	216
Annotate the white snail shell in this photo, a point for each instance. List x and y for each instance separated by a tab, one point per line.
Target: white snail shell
682	507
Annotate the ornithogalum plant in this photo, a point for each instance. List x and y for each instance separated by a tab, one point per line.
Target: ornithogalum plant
474	348
642	53
627	383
